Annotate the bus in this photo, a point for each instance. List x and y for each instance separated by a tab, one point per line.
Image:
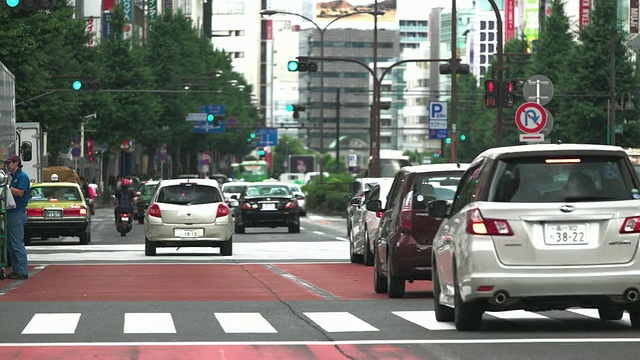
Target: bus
250	171
634	157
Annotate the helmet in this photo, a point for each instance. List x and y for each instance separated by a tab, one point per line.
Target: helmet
54	177
125	182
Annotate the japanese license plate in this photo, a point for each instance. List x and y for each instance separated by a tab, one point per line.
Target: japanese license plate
124	218
53	214
268	206
566	234
187	233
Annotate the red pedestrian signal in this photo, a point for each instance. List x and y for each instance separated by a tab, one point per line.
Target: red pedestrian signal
508	98
491	94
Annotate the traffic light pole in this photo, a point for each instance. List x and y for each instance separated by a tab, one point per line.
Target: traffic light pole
499	54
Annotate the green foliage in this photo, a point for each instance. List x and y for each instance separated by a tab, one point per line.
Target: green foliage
330	195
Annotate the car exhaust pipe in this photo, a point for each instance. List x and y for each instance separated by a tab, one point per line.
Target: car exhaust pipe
632	295
500	297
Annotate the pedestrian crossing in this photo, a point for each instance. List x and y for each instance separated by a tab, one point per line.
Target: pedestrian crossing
328	321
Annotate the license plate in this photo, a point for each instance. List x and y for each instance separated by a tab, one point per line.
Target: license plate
268	206
187	233
52	214
566	234
124	218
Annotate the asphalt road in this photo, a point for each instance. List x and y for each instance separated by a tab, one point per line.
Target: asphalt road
281	295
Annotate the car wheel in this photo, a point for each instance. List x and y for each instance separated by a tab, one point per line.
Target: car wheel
226	249
443	313
368	255
239	229
84	239
467	316
379	281
149	247
395	284
355	258
607	314
294	228
27	240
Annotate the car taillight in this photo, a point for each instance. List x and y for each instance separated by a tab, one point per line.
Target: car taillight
154	210
405	212
478	225
247	206
290	205
74	212
124	215
630	225
223	210
379	214
35	212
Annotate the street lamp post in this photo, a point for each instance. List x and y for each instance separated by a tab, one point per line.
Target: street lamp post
375	13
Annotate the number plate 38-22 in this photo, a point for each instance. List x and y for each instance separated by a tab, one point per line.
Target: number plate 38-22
566	234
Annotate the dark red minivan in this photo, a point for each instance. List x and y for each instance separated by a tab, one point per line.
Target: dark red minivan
403	246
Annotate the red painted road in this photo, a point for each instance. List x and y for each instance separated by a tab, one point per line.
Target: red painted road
199	282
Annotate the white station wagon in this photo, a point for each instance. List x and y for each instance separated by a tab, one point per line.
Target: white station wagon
536	228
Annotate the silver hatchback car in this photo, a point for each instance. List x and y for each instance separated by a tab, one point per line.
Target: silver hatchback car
536	228
188	213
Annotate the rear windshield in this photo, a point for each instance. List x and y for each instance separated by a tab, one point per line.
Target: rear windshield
147	189
192	194
232	188
389	167
562	179
276	190
428	187
60	193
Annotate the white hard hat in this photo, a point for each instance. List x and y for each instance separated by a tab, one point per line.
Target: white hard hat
54	177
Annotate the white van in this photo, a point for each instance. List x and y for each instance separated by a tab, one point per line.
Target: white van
293	178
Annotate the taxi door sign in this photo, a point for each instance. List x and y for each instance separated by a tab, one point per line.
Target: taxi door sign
531	118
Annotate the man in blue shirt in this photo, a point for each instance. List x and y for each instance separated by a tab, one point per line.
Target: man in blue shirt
17	218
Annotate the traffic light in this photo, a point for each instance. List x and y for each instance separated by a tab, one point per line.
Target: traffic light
447	140
296	110
215	119
27	5
261	153
490	94
86	85
90	152
508	97
437	154
302	66
463	137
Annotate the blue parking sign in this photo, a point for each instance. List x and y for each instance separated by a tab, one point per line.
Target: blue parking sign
438	110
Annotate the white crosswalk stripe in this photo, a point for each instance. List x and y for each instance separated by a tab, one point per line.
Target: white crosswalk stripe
257	323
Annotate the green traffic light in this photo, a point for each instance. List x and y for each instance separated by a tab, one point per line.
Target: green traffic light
448	140
289	107
210	117
292	66
13	3
463	137
77	85
253	135
260	152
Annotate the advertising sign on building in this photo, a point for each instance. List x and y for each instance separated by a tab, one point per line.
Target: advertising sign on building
107	29
585	10
168	6
152	9
127	10
531	21
633	16
328	10
93	29
302	164
509	19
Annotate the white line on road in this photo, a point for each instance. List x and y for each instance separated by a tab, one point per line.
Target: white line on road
339	322
65	323
341	238
426	319
318	232
148	323
244	323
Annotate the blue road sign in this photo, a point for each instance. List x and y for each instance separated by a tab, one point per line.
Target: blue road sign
438	110
232	122
437	133
212	109
266	137
75	152
203	127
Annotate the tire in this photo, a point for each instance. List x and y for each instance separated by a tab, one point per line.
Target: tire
239	229
395	284
443	313
226	249
353	257
149	248
368	255
294	229
635	318
467	316
379	281
84	238
607	314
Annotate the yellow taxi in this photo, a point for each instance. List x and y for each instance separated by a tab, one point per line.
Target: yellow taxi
57	209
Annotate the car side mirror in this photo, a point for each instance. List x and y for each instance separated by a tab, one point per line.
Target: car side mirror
437	208
299	196
374	205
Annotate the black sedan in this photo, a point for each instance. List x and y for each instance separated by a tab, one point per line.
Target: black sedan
267	204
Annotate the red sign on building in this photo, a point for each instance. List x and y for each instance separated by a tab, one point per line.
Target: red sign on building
585	11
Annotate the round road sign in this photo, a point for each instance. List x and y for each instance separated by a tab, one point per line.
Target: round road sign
75	152
231	122
549	125
531	118
124	145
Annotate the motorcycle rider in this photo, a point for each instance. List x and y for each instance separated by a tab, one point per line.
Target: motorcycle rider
124	200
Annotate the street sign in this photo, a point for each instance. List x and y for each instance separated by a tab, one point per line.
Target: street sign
75	152
538	89
212	109
438	110
437	133
196	117
531	118
125	145
204	127
438	124
266	137
549	126
531	137
231	122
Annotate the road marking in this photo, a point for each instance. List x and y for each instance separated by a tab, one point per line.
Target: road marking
425	319
244	323
64	323
148	323
341	238
516	315
593	313
315	289
318	232
339	322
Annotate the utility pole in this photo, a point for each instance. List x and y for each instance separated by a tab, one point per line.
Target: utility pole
338	130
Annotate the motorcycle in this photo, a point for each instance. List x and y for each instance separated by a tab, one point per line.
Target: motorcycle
124	222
